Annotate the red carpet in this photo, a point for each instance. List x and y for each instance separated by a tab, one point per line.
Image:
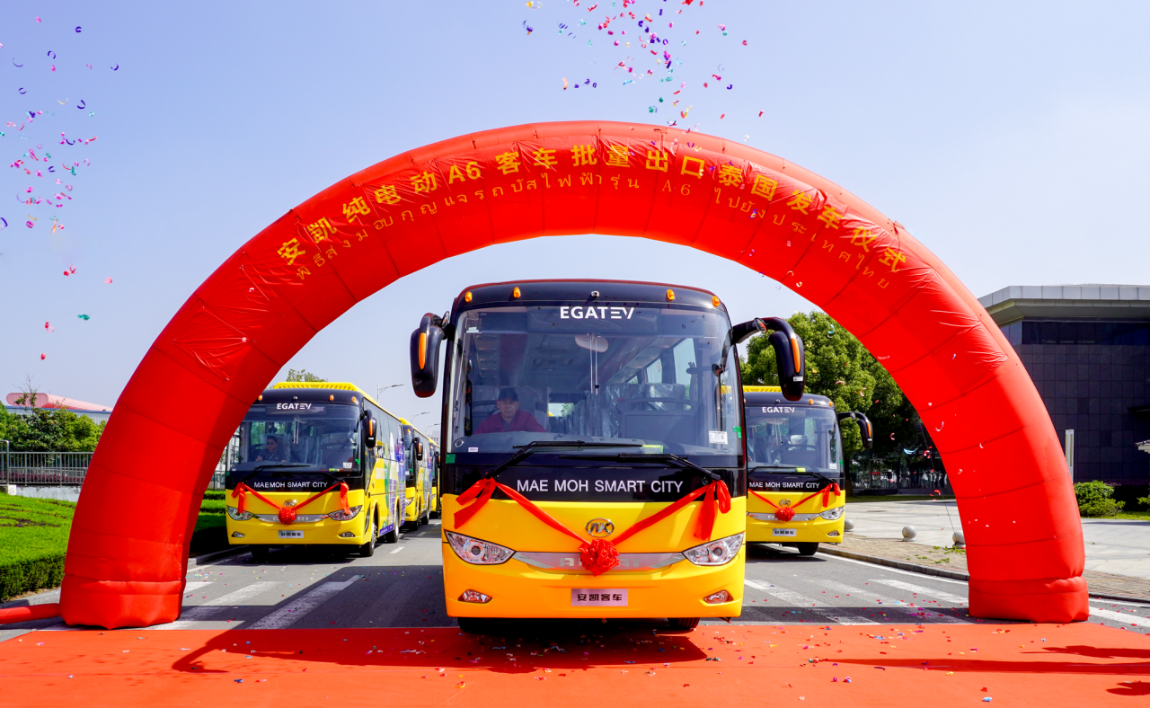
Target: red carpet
889	665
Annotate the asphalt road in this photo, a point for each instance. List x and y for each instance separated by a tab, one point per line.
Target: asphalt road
402	586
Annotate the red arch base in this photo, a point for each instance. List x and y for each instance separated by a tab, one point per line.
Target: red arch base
264	303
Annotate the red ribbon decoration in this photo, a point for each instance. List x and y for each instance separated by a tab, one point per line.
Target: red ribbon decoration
600	555
786	513
287	513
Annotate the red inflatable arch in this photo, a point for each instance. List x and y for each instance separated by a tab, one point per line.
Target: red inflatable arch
264	303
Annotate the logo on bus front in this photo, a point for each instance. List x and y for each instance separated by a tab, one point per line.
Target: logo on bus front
600	528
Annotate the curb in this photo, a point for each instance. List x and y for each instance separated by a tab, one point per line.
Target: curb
901	565
944	573
208	558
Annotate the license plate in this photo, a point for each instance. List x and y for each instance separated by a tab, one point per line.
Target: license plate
291	534
581	597
785	532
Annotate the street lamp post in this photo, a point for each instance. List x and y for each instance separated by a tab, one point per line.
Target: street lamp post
7	463
381	389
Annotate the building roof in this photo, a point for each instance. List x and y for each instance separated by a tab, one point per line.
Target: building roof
47	400
1086	301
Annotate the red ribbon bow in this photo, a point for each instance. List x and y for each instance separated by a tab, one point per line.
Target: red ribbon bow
287	513
786	513
600	555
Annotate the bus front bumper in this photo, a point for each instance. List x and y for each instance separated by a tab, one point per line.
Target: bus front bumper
516	589
818	530
326	532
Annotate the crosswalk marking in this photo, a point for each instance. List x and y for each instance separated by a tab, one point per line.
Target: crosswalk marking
294	611
211	608
193	585
928	592
935	615
397	550
1120	617
832	614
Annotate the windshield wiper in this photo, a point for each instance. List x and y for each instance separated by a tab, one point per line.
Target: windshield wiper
271	463
534	446
794	469
664	457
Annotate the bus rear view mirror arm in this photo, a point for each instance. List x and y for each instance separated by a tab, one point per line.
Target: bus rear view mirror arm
865	427
790	354
425	343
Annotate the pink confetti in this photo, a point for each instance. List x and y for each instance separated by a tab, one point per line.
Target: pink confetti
43	357
108	281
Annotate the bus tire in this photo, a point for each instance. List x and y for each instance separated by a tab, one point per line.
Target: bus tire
684	623
474	625
807	549
367	550
259	553
392	536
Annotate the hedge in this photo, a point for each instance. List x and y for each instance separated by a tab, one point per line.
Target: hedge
34	538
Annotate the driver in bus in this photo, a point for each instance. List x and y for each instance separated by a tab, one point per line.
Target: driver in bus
509	418
272	451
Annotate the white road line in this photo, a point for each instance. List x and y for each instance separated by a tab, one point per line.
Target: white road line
832	614
200	613
886	569
196	585
935	616
911	587
1119	617
397	550
294	611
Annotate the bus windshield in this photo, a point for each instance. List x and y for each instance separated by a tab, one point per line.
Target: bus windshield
792	436
609	372
300	436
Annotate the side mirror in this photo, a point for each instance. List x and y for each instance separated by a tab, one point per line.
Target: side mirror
790	354
419	449
425	343
369	436
864	427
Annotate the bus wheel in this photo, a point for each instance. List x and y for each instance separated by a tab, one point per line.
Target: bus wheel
684	623
367	550
259	553
807	549
392	536
474	625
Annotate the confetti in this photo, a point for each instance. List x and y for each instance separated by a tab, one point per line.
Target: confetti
84	317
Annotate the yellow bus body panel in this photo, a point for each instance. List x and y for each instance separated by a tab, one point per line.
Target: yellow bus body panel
816	530
521	590
414	508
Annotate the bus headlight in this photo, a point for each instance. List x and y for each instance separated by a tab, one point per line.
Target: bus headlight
472	550
718	552
833	514
237	515
338	514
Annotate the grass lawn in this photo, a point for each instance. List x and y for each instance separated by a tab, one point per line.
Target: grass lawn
34	538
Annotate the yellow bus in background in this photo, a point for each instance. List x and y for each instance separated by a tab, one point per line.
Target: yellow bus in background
317	464
419	455
593	460
795	468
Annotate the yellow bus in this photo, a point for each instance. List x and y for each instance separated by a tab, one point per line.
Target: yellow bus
419	454
795	468
317	464
593	462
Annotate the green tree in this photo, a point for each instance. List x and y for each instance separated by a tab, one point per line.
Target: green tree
303	376
48	430
840	368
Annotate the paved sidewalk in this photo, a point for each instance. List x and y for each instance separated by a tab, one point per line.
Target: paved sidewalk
1117	552
948	562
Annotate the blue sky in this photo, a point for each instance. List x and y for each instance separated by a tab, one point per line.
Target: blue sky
1010	138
